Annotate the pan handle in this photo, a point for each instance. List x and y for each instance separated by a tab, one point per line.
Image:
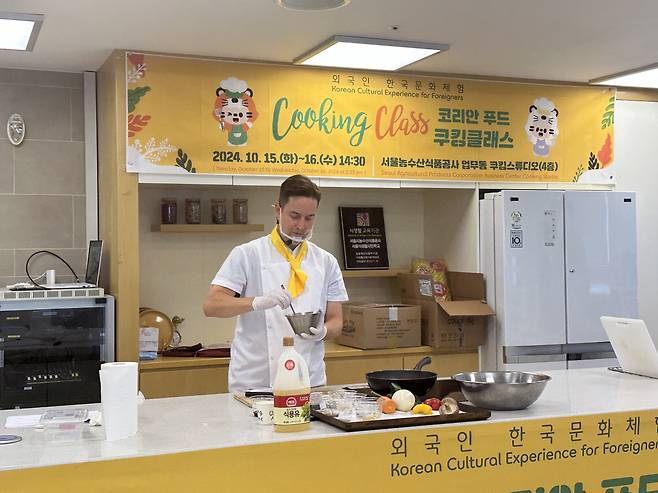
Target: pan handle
423	362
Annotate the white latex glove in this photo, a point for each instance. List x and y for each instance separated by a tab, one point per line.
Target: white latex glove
317	334
276	297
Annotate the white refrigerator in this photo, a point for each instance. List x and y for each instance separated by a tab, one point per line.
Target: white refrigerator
554	262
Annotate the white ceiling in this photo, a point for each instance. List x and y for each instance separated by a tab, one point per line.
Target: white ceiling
570	40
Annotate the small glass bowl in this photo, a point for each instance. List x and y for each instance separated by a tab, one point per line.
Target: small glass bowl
367	409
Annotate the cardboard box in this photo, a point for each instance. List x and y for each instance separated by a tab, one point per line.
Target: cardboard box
378	326
460	323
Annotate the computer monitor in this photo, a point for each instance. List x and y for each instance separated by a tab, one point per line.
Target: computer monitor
94	257
634	348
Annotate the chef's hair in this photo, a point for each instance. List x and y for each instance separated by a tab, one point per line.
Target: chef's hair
298	186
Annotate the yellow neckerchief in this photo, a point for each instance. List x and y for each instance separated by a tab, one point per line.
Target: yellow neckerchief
298	277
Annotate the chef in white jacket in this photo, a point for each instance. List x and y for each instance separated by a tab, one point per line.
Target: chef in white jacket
249	285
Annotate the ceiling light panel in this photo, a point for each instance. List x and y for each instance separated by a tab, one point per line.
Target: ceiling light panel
368	53
19	31
311	5
646	77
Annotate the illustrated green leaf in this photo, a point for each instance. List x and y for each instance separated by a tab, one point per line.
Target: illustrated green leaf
609	114
182	158
134	95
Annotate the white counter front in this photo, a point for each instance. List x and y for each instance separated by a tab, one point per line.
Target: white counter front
183	424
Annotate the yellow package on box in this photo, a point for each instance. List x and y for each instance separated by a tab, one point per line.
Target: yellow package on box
458	323
439	272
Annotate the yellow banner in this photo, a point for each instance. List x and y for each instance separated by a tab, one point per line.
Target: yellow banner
606	453
190	115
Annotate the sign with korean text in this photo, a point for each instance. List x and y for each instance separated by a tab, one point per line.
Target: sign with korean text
363	235
603	453
188	115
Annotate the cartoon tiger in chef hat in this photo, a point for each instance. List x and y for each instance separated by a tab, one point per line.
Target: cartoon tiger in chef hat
235	110
541	126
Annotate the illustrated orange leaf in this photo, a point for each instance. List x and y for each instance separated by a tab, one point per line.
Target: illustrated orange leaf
136	123
605	153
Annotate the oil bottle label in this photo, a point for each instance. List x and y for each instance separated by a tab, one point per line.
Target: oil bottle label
291	409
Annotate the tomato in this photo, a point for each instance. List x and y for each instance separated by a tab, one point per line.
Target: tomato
433	402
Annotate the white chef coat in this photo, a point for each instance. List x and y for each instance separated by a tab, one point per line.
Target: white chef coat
257	267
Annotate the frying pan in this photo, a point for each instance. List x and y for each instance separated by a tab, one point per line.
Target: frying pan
417	381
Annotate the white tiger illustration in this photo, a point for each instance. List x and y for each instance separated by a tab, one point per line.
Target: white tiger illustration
541	126
235	110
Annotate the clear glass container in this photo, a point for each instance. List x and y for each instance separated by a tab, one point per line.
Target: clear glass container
329	405
315	400
367	409
168	211
240	211
346	402
63	425
193	211
218	211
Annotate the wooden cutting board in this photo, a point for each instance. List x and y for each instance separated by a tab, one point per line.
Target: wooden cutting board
467	413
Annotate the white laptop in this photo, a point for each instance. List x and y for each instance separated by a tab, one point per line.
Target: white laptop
635	350
94	256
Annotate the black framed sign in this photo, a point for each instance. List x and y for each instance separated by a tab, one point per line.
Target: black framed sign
364	237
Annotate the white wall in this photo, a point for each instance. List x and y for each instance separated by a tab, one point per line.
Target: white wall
636	137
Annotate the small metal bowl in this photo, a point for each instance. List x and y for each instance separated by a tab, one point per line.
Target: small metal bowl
501	390
301	322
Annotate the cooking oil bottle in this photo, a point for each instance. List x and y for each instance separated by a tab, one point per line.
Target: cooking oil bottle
291	388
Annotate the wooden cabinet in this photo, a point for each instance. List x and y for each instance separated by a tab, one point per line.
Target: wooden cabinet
175	382
174	377
445	364
353	369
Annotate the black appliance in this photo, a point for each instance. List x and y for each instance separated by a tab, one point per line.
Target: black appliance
51	350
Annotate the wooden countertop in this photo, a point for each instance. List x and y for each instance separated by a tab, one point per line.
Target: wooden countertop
332	351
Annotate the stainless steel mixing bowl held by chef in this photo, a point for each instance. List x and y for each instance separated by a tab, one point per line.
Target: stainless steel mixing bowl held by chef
249	285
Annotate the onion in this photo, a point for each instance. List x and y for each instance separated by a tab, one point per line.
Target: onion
404	400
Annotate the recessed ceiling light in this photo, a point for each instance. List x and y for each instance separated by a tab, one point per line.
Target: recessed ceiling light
19	31
639	77
368	53
311	5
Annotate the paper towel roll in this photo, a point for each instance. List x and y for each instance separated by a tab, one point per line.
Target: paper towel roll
119	399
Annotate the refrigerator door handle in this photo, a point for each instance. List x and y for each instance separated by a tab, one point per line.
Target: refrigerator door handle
592	355
533	358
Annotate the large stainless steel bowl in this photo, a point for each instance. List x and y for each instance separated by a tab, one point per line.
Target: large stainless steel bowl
501	390
302	322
